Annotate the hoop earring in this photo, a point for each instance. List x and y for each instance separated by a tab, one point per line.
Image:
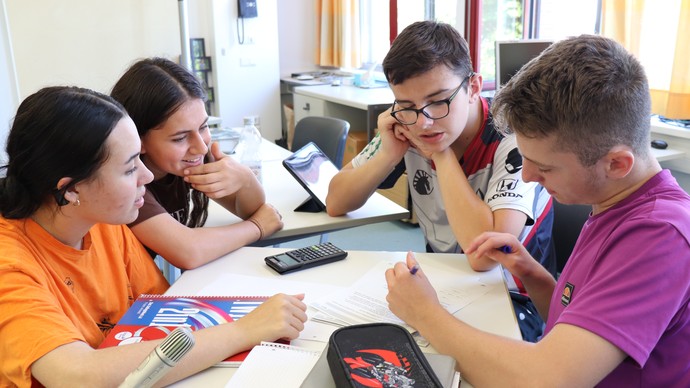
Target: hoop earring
76	203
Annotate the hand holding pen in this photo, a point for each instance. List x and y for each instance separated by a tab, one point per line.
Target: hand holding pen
505	249
410	293
488	243
411	262
409	266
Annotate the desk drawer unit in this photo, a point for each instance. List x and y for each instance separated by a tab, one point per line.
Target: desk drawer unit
308	106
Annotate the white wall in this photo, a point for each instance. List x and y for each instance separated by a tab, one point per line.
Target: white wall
246	77
9	94
297	36
91	43
88	43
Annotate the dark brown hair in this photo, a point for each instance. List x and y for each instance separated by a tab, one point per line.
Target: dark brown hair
421	46
58	132
152	90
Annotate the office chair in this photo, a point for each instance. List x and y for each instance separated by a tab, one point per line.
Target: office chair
328	133
567	224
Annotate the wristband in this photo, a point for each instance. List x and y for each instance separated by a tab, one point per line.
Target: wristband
261	230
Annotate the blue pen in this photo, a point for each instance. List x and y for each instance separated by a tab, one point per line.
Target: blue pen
505	249
414	270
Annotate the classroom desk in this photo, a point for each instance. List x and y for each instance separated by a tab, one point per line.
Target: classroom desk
492	312
360	107
677	155
669	154
285	193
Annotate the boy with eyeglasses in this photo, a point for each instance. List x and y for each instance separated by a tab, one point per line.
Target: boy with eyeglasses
464	177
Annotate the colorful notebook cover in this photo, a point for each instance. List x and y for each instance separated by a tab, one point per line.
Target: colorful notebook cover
155	316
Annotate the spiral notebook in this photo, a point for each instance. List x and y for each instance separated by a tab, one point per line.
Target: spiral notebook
274	365
155	316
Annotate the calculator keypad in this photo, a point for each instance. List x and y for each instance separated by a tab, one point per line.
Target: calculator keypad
314	252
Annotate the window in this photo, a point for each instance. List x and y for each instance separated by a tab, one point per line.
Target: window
656	43
374	37
526	19
496	20
501	20
376	16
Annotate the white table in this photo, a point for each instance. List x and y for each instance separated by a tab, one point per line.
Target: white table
285	193
492	312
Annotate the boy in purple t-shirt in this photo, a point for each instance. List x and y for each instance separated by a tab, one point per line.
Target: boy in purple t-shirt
619	315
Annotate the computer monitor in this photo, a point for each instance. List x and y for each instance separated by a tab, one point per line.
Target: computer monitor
511	55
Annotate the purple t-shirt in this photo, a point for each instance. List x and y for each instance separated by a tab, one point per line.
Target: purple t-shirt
628	281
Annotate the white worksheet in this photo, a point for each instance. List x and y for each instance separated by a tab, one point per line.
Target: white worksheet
365	301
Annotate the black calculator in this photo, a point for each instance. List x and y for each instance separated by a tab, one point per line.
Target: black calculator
306	257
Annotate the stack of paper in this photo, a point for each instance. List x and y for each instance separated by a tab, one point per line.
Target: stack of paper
365	301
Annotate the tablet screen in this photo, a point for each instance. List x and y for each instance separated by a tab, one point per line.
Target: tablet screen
313	170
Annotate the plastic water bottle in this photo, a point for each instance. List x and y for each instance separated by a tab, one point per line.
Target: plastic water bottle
251	140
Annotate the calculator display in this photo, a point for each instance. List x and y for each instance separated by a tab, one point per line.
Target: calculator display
286	259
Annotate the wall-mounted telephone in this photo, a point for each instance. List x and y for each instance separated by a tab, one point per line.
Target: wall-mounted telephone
247	8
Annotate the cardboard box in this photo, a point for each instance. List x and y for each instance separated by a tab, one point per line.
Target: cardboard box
354	144
290	122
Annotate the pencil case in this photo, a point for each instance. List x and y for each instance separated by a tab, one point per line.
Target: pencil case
377	355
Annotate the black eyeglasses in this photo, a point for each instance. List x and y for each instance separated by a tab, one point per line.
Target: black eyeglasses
434	110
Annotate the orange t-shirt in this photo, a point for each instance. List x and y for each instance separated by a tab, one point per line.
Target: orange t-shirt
52	294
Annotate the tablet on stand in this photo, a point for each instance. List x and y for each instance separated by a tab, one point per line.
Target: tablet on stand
314	171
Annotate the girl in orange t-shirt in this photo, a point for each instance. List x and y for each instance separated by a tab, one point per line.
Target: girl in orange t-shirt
70	268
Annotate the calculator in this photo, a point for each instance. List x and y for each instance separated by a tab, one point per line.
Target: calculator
304	258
